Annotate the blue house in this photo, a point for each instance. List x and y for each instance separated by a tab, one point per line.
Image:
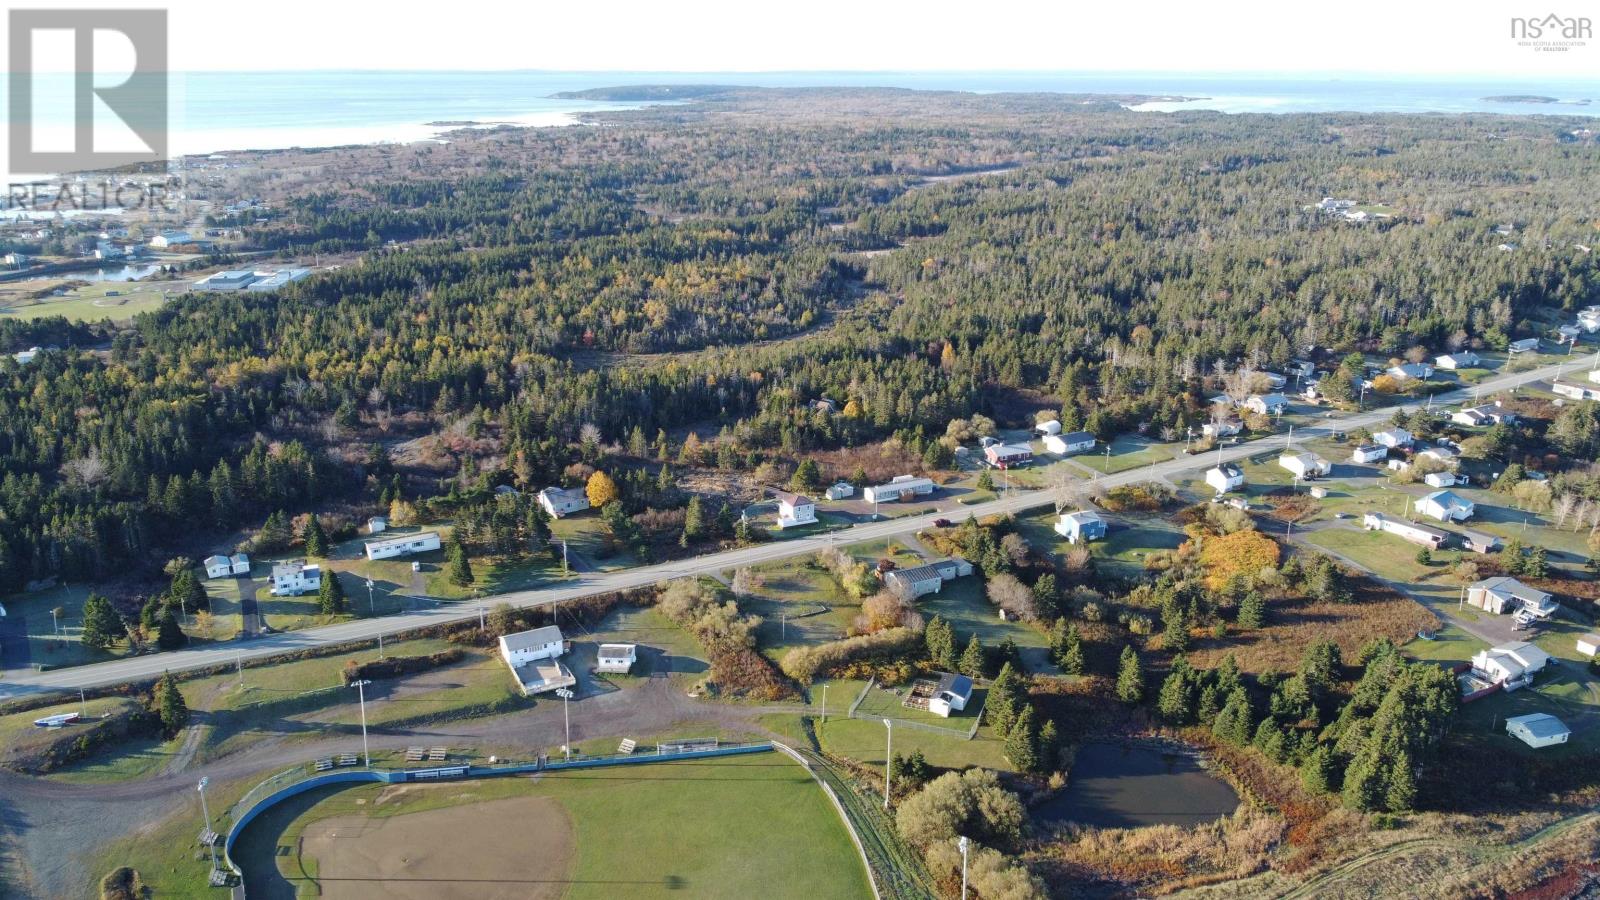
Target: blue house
1081	526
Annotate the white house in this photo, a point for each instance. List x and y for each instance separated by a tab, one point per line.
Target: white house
532	656
1589	645
1486	414
239	564
1575	390
217	566
1225	477
1432	538
171	239
1446	506
1510	665
1440	479
377	525
1081	527
1274	380
1394	438
560	502
1071	442
928	579
1268	404
1503	594
1305	465
404	545
1008	456
900	487
1047	427
950	695
1440	455
795	510
1409	371
529	646
1595	376
616	658
840	490
1369	453
1525	345
293	578
1222	428
1538	730
1464	359
1589	319
23	357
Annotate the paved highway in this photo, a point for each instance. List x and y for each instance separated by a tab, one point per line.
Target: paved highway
152	665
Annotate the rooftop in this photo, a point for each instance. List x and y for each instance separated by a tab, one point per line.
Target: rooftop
538	637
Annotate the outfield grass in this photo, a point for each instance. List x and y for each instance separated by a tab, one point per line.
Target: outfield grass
742	826
94	302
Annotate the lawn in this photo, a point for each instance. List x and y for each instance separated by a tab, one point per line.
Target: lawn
586	537
1562	691
17	731
863	740
1450	647
26	638
799	603
1127	452
888	703
694	826
894	549
962	604
1386	554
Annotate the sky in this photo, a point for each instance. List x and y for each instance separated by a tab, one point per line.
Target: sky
1376	37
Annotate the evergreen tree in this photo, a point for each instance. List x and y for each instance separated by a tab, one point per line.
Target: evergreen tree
274	534
187	592
1049	746
330	596
1209	705
1233	723
169	635
1072	661
1252	611
1175	622
1047	596
1004	700
1318	771
1402	793
974	662
941	641
316	539
459	567
1022	741
807	477
1175	702
985	481
169	705
694	522
1130	676
101	625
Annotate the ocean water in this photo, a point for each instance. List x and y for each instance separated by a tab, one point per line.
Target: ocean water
221	111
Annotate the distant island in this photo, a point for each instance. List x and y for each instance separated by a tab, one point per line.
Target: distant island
637	92
1530	98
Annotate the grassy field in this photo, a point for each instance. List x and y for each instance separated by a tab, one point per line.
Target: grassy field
95	301
695	827
30	613
799	603
863	740
1450	647
888	703
1386	554
1127	452
962	604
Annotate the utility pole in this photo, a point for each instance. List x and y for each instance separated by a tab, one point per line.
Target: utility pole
888	762
824	703
206	831
371	607
564	570
82	704
361	691
565	696
481	624
380	645
238	661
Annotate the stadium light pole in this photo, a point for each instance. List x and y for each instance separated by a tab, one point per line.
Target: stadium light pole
361	691
566	695
888	762
963	843
206	811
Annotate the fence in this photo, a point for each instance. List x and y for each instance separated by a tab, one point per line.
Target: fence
300	779
969	734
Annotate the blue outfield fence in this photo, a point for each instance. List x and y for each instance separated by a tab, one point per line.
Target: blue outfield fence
297	781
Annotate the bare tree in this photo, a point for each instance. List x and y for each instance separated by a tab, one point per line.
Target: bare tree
86	471
746	582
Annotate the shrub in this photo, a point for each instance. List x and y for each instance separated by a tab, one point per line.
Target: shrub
805	663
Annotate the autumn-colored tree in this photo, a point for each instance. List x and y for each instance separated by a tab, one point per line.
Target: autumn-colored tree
601	490
1241	553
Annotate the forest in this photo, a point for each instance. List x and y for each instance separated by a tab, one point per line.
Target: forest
541	299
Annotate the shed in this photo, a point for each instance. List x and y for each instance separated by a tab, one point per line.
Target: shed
1589	644
618	658
951	694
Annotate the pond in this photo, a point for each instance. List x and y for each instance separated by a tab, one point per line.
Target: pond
1134	785
117	273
